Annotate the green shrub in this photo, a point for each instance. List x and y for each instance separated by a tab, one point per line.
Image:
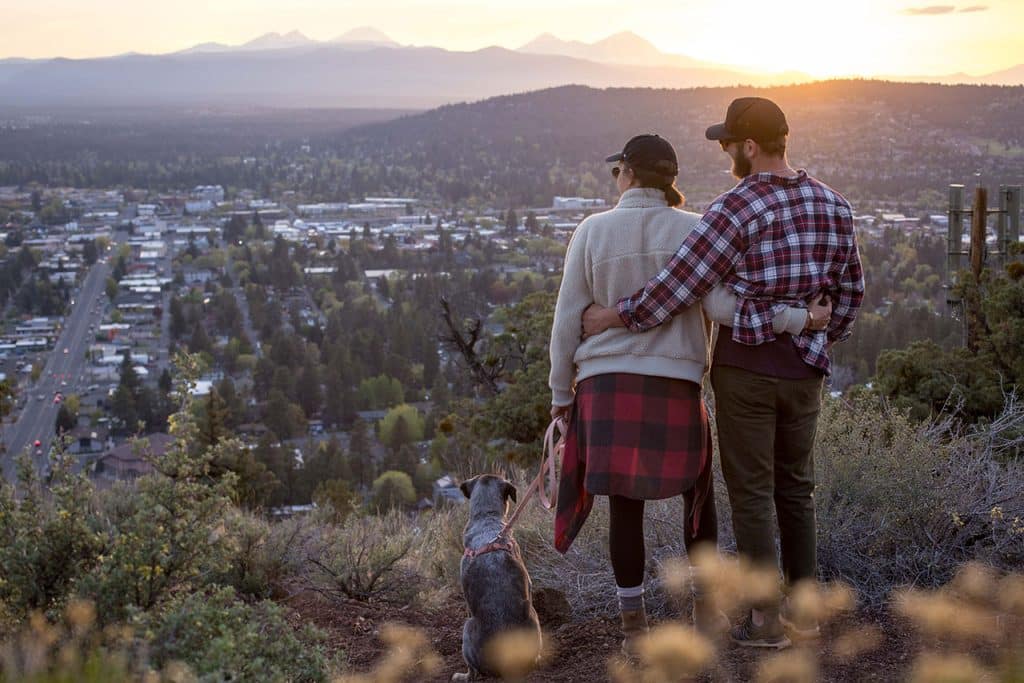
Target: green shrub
364	557
263	558
222	638
393	489
336	497
166	537
47	542
901	502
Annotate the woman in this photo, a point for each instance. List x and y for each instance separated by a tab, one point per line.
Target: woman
638	429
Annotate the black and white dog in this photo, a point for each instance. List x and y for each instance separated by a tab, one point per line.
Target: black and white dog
494	579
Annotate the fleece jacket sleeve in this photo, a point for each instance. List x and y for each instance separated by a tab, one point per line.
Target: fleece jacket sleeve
720	306
574	295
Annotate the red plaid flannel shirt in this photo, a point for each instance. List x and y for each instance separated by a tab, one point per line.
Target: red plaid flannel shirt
775	241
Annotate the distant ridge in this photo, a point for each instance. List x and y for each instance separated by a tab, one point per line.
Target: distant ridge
625	47
364	67
365	35
514	141
206	47
1012	76
362	36
267	72
277	41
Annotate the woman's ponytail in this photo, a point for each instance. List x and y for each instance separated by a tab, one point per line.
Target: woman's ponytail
673	196
661	181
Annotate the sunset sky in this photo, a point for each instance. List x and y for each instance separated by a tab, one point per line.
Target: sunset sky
820	37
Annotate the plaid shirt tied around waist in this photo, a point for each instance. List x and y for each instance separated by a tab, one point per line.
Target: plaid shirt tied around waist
775	241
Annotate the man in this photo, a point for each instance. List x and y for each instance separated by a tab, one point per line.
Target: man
778	237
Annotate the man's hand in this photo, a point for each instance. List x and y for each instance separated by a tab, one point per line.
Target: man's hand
819	312
597	319
560	412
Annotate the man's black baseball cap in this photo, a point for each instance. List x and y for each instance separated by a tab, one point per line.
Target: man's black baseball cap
651	152
750	118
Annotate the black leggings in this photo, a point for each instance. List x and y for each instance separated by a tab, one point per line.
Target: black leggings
626	534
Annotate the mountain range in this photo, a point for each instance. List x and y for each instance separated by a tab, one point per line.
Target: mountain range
365	68
364	36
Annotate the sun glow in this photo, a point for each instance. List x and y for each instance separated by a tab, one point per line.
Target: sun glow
821	38
829	38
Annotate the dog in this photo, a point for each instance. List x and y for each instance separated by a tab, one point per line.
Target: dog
495	582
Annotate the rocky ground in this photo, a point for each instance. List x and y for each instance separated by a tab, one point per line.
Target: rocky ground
581	650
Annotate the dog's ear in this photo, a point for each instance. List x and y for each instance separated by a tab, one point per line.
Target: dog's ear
467	486
508	491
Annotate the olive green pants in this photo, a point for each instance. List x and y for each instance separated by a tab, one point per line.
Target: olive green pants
766	429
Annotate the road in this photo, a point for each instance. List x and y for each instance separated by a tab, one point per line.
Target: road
243	304
38	417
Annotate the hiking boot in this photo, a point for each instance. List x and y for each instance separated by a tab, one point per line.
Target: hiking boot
797	626
770	634
634	627
709	621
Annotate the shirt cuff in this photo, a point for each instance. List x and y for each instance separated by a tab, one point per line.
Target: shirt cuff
561	398
625	310
791	320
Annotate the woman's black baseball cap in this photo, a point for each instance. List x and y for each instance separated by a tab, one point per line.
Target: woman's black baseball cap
651	152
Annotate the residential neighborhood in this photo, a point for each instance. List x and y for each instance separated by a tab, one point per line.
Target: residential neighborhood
221	274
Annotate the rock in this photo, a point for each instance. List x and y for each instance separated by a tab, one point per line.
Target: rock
552	607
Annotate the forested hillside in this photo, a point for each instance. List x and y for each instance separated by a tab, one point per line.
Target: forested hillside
873	139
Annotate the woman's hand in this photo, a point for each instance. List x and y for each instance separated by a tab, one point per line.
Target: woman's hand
597	319
560	412
819	312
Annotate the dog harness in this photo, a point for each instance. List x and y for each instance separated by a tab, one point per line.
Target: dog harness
508	545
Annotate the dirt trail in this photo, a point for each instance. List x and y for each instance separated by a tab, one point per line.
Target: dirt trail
583	648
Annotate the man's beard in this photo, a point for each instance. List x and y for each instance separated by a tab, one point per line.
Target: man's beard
741	167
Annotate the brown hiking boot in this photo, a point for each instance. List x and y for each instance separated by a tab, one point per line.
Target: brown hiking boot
709	621
634	627
769	634
798	626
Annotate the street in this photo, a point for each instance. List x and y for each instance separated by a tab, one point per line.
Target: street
37	418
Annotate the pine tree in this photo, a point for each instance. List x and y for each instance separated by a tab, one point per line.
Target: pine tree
360	455
403	459
278	415
178	322
234	229
308	391
213	424
531	224
66	420
511	222
124	408
166	383
199	341
89	252
129	378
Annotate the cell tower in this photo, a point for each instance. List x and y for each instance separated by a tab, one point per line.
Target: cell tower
1007	230
1004	247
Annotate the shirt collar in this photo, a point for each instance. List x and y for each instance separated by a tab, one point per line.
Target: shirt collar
641	198
777	179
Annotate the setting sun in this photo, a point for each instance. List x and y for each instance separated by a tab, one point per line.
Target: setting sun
830	38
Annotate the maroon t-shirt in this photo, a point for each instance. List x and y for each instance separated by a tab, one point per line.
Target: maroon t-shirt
779	358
